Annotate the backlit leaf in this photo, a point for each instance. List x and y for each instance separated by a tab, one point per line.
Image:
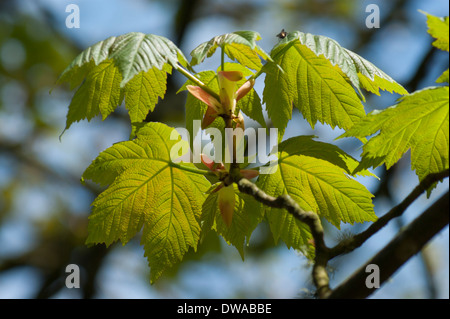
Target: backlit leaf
438	29
317	185
443	77
133	64
239	46
147	191
420	122
100	93
319	77
312	84
246	216
144	90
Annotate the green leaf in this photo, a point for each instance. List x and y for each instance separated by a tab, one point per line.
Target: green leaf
438	29
133	64
329	48
132	53
245	55
278	99
251	106
305	145
289	229
419	122
247	215
143	91
85	61
319	77
147	191
100	93
443	77
372	78
311	83
317	185
360	72
239	46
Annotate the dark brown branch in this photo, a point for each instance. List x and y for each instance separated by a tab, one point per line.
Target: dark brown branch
356	241
405	245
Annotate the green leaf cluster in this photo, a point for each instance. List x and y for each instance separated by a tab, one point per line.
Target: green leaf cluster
438	28
305	64
147	191
419	122
175	205
239	46
318	177
133	66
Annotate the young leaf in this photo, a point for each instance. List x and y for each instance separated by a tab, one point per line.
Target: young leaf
134	64
305	145
438	29
147	190
311	83
443	77
131	52
246	216
289	229
142	92
314	63
360	72
239	46
196	109
100	93
317	185
418	122
372	78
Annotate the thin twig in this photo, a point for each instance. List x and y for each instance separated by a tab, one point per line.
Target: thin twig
322	253
356	241
405	245
320	275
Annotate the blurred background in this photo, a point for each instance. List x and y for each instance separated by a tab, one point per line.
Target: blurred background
44	207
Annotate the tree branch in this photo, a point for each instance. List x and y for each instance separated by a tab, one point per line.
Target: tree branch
415	237
319	273
405	245
356	241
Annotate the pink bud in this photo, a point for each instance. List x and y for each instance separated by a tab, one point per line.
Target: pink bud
231	75
210	116
204	96
226	203
207	161
244	89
